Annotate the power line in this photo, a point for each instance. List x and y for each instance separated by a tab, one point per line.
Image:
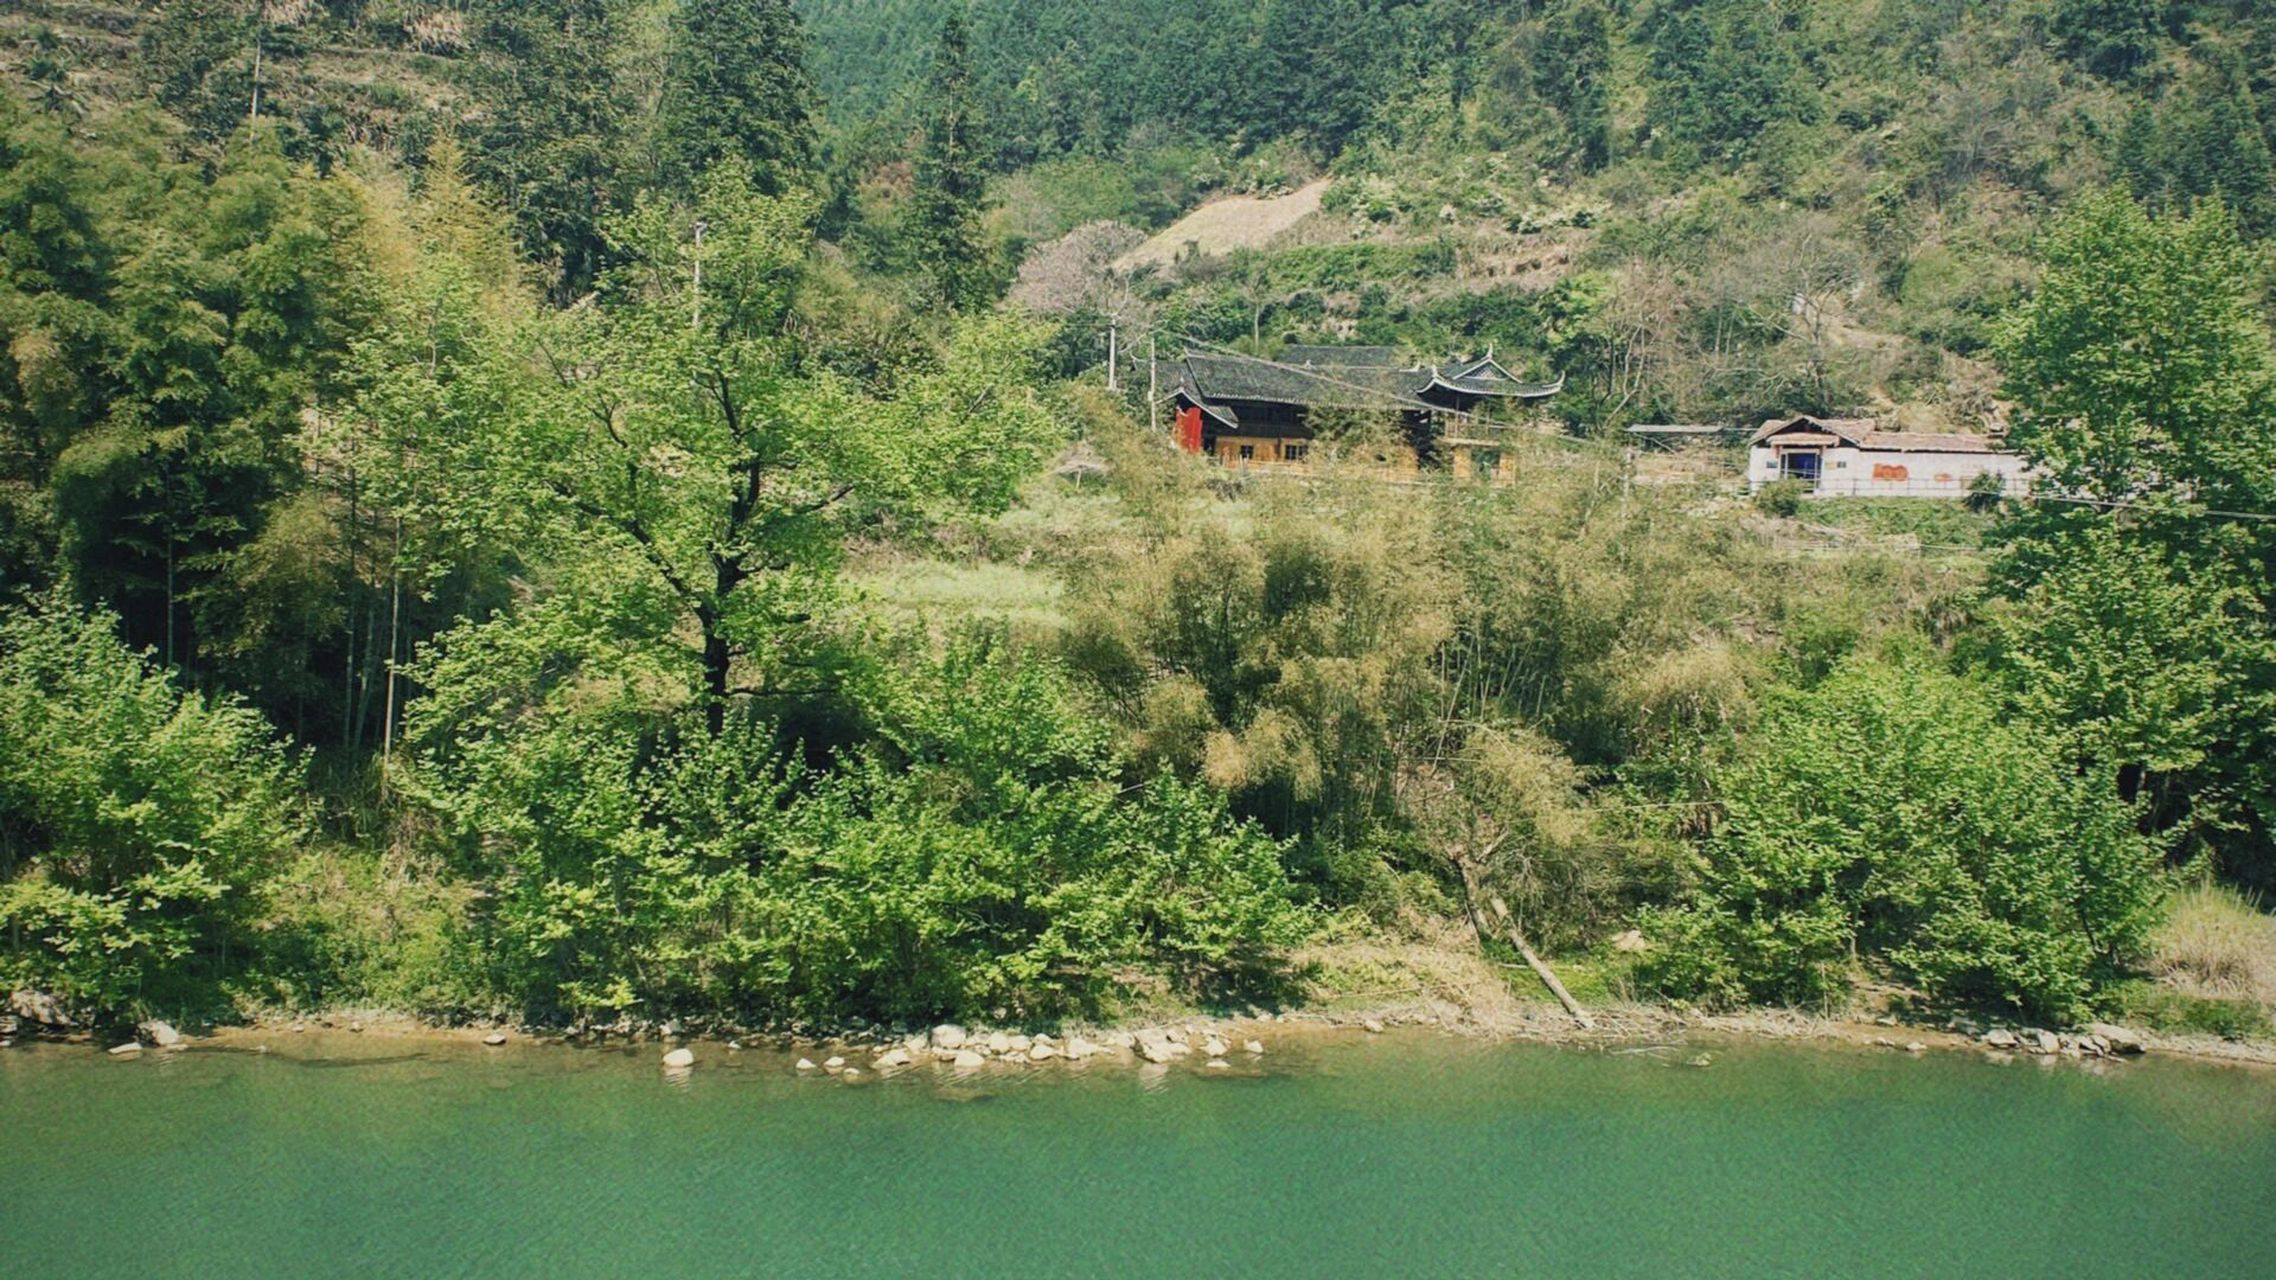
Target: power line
2111	504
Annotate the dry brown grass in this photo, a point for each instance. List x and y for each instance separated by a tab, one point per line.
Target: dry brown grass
1221	226
2216	944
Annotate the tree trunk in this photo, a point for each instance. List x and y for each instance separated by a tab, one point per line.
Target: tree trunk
718	662
1471	893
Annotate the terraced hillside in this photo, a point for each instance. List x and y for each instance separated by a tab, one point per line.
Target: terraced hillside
374	78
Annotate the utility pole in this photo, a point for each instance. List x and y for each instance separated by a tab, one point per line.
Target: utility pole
253	117
695	318
1153	388
1113	351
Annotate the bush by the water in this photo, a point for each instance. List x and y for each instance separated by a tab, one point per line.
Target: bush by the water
139	823
1889	818
981	852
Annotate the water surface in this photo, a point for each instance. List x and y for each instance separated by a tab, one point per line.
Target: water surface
1419	1156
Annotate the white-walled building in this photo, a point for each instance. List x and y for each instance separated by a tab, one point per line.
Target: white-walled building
1855	457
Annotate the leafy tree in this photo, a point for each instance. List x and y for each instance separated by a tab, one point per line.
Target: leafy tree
982	853
551	132
56	266
139	824
695	445
736	85
229	325
1724	71
1890	815
1572	70
2114	38
2205	140
199	55
952	184
2144	381
405	524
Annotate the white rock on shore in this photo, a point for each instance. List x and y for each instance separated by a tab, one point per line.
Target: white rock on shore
1254	1048
159	1033
834	1063
494	1039
1042	1053
2000	1038
2118	1038
948	1036
128	1049
966	1059
893	1058
807	1064
679	1059
37	1006
998	1042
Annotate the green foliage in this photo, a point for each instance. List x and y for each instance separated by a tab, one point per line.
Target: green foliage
1572	71
551	133
951	182
2206	139
1781	498
139	824
1889	816
983	854
736	86
2145	386
2163	1009
2115	38
1725	74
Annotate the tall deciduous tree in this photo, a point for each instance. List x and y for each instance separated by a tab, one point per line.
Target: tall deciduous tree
684	438
55	276
2144	381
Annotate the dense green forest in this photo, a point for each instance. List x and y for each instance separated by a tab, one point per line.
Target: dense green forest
609	509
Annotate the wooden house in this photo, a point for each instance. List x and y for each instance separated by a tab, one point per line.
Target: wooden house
1247	411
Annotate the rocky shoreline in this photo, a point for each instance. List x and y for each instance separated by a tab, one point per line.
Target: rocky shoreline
1201	1040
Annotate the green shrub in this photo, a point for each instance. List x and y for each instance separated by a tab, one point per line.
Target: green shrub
139	823
2162	1008
1889	816
982	851
1781	498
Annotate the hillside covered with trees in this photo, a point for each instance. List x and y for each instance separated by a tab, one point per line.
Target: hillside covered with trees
602	510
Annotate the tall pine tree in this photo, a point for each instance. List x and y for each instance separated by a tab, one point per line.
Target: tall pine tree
736	85
952	180
551	132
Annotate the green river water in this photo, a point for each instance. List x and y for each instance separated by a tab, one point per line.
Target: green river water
1401	1156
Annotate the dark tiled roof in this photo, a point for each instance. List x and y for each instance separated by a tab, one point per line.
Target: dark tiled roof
1215	379
1346	357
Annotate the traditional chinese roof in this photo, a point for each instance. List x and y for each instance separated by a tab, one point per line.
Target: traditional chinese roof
1209	381
1490	380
